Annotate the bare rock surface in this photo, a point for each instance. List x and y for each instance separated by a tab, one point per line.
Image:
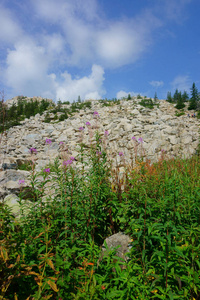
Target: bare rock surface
160	129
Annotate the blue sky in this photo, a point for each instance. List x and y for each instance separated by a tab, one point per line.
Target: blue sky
61	49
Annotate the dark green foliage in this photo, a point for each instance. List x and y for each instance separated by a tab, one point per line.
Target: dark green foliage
169	97
155	97
109	102
149	103
180	101
63	117
139	96
47	118
24	166
176	95
194	98
185	96
178	114
18	112
129	97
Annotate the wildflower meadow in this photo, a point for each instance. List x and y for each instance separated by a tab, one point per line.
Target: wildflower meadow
53	250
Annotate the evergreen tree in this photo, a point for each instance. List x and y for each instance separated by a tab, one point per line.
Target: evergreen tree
169	97
185	96
155	97
194	97
180	103
129	97
43	106
175	97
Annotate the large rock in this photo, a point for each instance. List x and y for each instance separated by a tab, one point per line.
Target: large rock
119	241
13	202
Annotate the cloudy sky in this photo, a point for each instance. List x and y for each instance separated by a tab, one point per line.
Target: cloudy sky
62	49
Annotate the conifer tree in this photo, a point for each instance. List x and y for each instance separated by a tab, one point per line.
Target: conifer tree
180	103
194	97
185	96
169	97
155	97
175	97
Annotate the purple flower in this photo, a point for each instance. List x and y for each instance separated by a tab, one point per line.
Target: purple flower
61	143
121	154
163	151
72	158
133	138
48	141
98	152
81	128
106	133
140	140
21	181
96	113
88	123
33	150
47	170
68	162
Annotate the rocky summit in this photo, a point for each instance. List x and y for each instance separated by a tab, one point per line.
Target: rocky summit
126	127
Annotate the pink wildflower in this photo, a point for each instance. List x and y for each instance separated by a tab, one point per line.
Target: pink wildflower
121	154
96	113
47	170
68	162
140	140
33	150
48	141
21	181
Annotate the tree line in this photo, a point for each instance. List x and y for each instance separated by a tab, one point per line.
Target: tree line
181	98
19	111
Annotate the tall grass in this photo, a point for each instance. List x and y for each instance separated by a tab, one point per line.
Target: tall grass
54	251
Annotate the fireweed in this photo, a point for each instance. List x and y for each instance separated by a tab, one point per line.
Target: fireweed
54	251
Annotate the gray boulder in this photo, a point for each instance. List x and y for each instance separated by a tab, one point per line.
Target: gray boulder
119	241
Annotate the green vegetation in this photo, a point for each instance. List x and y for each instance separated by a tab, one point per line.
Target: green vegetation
180	99
24	166
149	103
12	116
53	252
107	102
178	114
194	98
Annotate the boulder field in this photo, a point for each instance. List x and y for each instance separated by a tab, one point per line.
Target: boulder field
125	127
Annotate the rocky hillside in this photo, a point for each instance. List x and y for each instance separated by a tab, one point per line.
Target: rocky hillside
129	128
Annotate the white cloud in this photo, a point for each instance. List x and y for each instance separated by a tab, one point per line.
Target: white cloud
90	38
122	94
27	67
10	29
85	87
28	73
119	44
156	84
64	33
182	83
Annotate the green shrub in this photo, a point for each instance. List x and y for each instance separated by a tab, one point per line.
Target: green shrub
178	114
147	103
